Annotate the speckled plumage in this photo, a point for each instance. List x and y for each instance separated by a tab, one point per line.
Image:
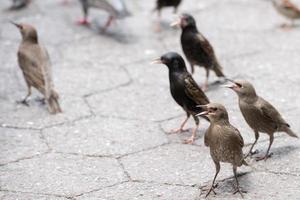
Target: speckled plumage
260	115
35	64
224	140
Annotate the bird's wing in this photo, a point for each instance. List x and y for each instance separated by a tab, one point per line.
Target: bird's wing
232	136
193	91
206	47
35	65
290	5
270	112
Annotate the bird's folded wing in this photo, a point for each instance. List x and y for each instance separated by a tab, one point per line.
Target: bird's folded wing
194	92
232	136
206	47
289	5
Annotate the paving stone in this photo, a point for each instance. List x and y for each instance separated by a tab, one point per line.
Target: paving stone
138	103
106	137
193	165
37	116
25	196
18	144
143	191
60	174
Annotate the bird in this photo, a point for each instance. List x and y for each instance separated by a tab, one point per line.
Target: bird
184	90
197	48
35	64
288	10
115	8
160	4
224	141
18	4
260	115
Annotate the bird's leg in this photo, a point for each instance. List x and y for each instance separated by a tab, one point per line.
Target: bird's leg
175	10
108	22
267	154
24	101
205	86
217	165
157	23
42	100
192	68
195	129
237	189
256	151
84	20
180	129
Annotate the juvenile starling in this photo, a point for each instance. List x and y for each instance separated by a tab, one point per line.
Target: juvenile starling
184	89
196	47
18	4
287	9
115	8
36	67
260	115
224	140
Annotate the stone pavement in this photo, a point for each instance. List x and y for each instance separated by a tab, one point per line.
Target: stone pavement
112	140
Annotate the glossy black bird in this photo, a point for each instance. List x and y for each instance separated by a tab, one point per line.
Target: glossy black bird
166	3
184	89
197	48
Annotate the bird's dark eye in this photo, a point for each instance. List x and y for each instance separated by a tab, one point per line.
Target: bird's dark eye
214	109
239	85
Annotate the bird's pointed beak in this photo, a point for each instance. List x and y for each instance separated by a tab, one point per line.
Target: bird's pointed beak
16	24
204	113
231	86
157	61
176	23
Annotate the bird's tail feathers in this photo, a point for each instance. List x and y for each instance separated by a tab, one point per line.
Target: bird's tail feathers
53	104
218	70
290	132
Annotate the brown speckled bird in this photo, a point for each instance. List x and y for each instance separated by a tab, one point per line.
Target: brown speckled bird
35	64
197	48
184	89
287	9
224	140
115	8
260	115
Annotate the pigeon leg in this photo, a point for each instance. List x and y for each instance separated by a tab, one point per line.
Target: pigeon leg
195	129
108	22
205	86
180	129
237	189
250	151
267	154
24	101
217	164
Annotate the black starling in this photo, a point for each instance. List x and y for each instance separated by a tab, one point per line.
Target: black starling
224	140
184	89
260	115
196	47
35	64
167	3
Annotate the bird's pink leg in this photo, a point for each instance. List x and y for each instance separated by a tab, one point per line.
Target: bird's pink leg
180	129
108	23
192	138
83	21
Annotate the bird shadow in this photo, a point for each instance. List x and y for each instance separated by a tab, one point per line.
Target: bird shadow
279	152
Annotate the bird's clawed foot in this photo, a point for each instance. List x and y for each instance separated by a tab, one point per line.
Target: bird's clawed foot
286	27
212	189
178	130
238	190
204	87
41	100
264	157
23	101
83	22
189	141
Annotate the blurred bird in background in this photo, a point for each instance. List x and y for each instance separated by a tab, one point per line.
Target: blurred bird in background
288	10
18	4
35	64
197	48
115	8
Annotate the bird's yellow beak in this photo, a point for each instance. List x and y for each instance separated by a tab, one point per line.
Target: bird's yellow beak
157	61
231	86
16	24
176	23
204	113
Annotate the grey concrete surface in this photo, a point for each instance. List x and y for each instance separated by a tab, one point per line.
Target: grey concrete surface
112	141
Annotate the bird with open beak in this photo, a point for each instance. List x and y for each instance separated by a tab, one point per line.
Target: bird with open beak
260	115
288	10
224	141
197	48
184	90
35	64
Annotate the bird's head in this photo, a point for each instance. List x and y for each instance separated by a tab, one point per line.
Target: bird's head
214	112
172	60
243	88
185	20
27	31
